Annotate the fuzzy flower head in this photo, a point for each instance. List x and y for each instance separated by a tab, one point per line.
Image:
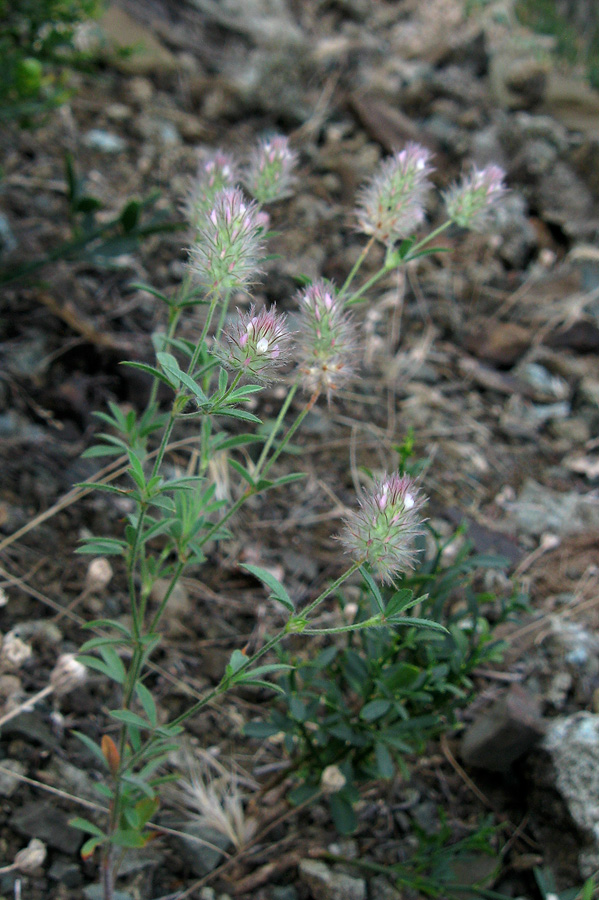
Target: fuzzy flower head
257	344
382	532
328	338
469	201
215	173
391	205
270	172
229	243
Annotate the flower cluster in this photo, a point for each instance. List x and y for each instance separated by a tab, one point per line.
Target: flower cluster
256	343
229	243
382	532
217	172
391	205
469	202
327	338
270	172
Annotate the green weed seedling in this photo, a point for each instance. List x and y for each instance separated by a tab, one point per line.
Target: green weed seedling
172	518
371	698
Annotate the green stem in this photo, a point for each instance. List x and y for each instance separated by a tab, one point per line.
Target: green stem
341	629
435	233
282	413
205	329
276	639
368	284
291	431
356	267
158	614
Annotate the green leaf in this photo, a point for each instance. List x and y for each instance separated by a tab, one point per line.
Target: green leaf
277	591
237	662
87	826
87	204
101	642
375	709
260	729
129	718
384	761
303	794
91	746
140	286
93	663
71	178
150	370
257	682
107	488
400	601
373	588
89	846
114	663
268	669
130	215
147	701
128	838
343	814
108	623
241	470
419	623
103	547
238	414
221	442
170	366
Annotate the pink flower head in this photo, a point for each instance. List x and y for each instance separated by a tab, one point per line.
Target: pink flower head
229	243
391	205
270	172
257	343
215	173
328	338
382	532
469	201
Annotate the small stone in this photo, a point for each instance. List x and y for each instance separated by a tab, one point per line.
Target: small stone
501	345
201	858
381	889
328	884
140	90
9	782
118	112
66	872
96	892
504	733
104	141
284	892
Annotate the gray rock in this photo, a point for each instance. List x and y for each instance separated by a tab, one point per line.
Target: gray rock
328	884
50	824
565	775
539	509
200	857
8	241
380	889
564	200
504	733
567	664
104	141
96	892
9	782
284	892
66	872
511	223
